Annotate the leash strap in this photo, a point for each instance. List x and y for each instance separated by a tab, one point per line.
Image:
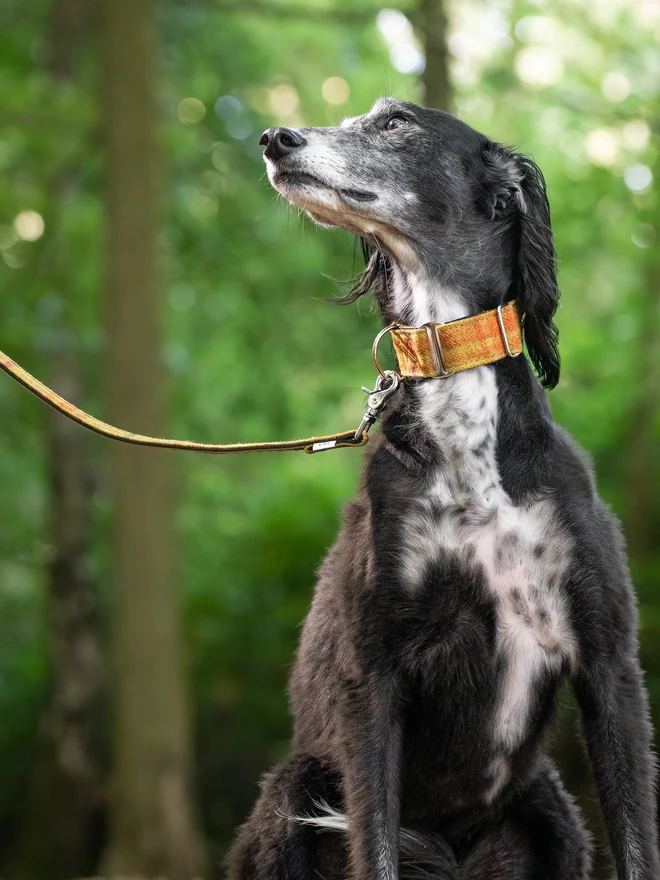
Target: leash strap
434	351
309	444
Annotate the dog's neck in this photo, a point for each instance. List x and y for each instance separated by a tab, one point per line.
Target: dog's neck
416	296
460	414
416	299
470	396
443	277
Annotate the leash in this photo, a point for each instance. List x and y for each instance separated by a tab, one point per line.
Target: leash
433	351
387	384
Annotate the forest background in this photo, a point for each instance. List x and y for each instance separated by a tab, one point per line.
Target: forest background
150	601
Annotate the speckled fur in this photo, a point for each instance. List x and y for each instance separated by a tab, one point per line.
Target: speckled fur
522	549
476	570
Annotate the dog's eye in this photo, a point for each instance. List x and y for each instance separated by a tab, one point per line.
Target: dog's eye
395	122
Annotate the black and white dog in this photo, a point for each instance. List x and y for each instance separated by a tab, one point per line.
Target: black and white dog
476	570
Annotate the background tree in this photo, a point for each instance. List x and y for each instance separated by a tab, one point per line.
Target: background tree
435	76
152	819
57	833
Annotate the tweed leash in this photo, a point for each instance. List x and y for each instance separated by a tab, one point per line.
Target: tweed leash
432	351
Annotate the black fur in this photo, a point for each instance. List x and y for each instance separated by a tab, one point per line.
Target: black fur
525	209
396	688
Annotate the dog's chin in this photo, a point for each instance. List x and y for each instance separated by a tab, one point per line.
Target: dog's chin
295	179
326	204
353	210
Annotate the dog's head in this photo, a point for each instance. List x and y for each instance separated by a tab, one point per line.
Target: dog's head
432	194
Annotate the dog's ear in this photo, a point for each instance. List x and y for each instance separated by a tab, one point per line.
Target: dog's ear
514	192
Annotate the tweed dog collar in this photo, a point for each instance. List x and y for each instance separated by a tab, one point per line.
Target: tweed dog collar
439	350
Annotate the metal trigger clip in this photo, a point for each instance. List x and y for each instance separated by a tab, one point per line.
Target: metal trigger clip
386	384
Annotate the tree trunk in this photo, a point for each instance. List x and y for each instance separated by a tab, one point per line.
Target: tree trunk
56	839
435	79
57	836
153	824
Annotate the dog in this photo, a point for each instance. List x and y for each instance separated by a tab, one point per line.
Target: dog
478	568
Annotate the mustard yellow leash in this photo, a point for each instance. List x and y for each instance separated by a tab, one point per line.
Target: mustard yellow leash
434	351
310	445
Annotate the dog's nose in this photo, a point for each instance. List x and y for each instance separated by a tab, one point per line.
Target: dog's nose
280	141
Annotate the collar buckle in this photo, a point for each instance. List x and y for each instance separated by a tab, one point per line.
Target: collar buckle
441	371
505	339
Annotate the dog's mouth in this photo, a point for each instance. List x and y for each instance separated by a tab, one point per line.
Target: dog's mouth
299	178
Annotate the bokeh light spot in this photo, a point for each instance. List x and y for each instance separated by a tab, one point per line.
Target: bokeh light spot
283	100
476	40
537	29
601	146
636	134
227	107
615	86
258	98
539	66
191	111
182	297
177	358
407	58
394	26
335	90
644	235
233	114
203	208
29	225
638	178
624	328
397	31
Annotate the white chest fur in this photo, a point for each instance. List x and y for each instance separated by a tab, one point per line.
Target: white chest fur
521	550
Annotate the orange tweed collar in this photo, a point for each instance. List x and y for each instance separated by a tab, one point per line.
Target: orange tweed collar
438	350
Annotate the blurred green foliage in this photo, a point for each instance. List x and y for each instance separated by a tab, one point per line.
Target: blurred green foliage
254	352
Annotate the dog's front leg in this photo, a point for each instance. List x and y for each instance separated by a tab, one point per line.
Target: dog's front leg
614	706
372	778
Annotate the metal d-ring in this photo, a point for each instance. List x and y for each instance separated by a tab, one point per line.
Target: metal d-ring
374	350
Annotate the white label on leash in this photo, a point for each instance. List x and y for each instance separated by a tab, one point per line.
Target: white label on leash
327	444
